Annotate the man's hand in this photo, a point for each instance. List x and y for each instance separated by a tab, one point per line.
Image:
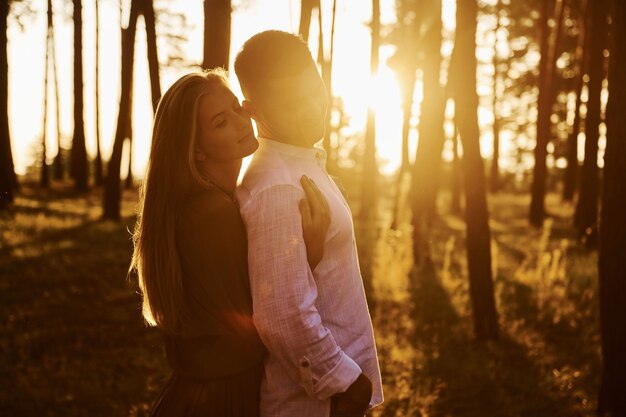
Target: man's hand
354	401
315	221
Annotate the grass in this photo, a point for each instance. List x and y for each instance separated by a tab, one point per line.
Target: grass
73	342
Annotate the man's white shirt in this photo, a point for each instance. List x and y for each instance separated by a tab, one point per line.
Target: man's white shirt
315	324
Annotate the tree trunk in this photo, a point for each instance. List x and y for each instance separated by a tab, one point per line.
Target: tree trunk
306	10
476	215
549	44
612	262
112	192
327	72
78	164
8	181
153	57
455	201
369	192
494	178
408	89
217	18
427	166
58	158
586	216
98	162
44	179
582	59
128	183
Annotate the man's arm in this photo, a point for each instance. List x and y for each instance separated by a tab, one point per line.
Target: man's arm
284	295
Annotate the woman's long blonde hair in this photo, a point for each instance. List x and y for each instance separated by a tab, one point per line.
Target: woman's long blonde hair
170	174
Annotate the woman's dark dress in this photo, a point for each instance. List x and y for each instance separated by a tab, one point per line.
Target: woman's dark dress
218	359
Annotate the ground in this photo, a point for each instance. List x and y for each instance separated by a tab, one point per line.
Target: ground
73	341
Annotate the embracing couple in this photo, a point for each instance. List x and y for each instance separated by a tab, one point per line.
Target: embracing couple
256	288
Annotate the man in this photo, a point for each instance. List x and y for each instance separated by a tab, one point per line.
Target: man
316	325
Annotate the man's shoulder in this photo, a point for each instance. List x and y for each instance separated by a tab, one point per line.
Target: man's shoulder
265	173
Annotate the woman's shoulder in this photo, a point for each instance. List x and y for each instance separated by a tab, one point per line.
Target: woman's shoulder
208	204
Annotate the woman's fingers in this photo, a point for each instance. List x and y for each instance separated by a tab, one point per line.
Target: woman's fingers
305	211
313	198
321	197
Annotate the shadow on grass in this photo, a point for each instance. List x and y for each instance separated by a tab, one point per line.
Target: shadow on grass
473	378
72	336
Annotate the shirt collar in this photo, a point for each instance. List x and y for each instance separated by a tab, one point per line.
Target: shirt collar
313	154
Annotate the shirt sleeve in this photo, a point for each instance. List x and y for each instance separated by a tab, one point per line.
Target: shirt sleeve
284	293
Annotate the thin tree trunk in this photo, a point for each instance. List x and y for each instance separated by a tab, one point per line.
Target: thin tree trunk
112	192
582	59
79	151
153	57
612	262
494	178
217	22
478	239
306	10
8	182
407	106
327	72
549	44
128	183
369	191
58	158
427	166
586	216
44	179
455	201
98	162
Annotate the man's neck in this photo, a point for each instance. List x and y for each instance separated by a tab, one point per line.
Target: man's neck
267	133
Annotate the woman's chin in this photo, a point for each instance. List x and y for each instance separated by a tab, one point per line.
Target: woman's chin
249	145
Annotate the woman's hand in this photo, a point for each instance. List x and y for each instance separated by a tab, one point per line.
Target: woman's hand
315	221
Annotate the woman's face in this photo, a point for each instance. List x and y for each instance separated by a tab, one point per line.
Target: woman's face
224	130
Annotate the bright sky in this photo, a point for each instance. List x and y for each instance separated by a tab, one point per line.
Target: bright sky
351	71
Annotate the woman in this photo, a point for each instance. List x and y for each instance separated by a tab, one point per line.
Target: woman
191	250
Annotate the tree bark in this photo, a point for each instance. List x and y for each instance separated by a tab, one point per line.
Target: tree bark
478	238
8	181
549	44
58	158
217	22
327	76
306	10
153	57
427	166
494	178
44	178
369	190
455	201
586	217
98	161
582	59
112	192
612	262
78	164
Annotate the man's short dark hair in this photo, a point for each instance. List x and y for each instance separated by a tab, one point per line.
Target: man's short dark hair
269	55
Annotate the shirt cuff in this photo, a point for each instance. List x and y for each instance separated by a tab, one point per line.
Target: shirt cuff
338	379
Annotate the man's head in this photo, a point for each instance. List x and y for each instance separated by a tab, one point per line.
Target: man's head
283	89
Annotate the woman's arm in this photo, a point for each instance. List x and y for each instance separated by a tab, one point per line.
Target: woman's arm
315	221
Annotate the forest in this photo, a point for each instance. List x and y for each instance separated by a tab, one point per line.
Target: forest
492	243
